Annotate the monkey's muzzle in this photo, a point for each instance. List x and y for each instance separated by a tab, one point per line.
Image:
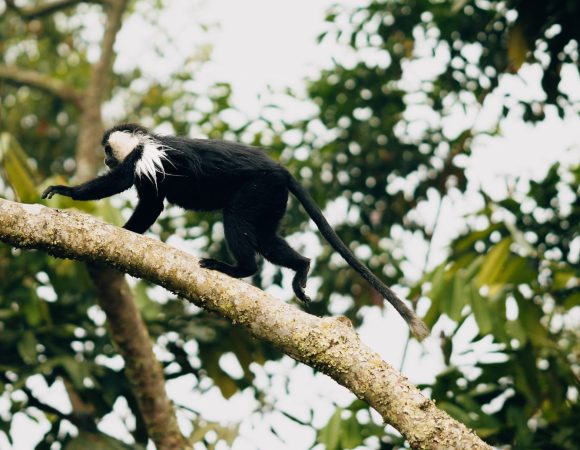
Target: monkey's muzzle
111	163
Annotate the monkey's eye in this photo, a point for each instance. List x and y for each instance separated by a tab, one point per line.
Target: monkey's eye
108	150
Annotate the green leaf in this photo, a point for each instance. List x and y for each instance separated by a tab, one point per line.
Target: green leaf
18	172
516	270
209	356
515	329
473	268
481	311
240	348
149	309
107	211
498	314
76	371
562	278
440	289
26	346
517	47
454	411
447	348
329	435
493	263
572	300
34	309
529	317
6	314
351	433
466	243
458	297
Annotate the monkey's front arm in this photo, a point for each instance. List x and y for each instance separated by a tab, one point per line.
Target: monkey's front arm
117	180
147	210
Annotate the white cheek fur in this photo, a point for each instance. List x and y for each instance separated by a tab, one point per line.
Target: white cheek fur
122	144
151	161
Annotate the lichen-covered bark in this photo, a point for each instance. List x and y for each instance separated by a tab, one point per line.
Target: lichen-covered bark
328	344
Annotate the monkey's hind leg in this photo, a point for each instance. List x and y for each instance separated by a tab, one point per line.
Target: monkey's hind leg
241	238
276	250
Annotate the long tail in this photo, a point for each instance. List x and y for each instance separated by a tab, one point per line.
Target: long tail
417	326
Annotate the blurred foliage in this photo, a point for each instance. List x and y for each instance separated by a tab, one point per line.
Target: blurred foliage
519	279
379	147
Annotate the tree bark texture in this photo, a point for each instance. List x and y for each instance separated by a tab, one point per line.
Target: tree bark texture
329	345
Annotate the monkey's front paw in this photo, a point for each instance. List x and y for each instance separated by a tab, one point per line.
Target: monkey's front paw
58	189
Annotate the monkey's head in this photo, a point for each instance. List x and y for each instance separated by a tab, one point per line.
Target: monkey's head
120	141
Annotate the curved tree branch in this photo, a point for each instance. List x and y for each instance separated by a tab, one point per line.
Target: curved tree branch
329	345
46	83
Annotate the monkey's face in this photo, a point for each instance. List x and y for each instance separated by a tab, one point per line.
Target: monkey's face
118	146
110	161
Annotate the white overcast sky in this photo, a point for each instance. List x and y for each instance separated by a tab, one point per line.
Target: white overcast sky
262	44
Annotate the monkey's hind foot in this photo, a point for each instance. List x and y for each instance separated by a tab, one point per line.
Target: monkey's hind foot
232	271
299	282
302	296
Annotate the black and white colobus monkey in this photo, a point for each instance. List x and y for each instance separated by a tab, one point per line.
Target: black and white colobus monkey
204	175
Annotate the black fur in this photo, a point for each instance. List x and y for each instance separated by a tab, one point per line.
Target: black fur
250	188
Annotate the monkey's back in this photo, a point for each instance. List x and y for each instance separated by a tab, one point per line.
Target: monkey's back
206	174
